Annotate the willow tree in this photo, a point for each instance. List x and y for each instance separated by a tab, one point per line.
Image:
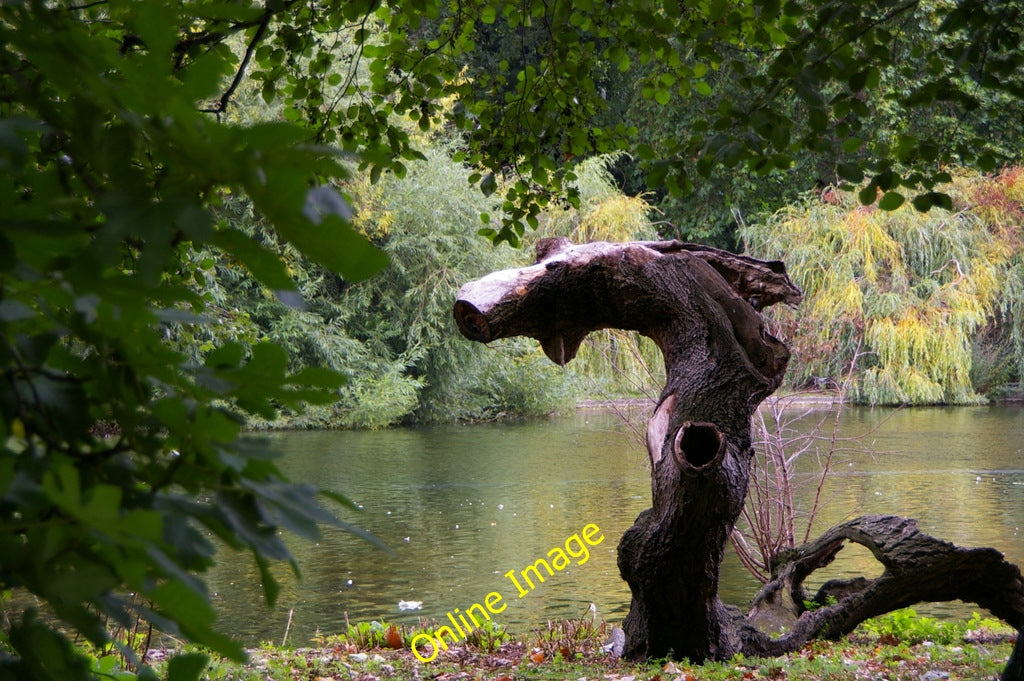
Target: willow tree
701	307
614	363
908	290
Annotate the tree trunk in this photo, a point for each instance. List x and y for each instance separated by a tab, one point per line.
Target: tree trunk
701	307
1015	667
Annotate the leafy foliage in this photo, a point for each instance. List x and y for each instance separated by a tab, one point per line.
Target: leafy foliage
109	172
392	337
404	316
909	290
906	625
822	115
839	90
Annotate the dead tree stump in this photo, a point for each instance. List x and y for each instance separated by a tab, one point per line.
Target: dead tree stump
701	307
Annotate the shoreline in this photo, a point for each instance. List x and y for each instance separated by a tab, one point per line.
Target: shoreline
890	647
827	398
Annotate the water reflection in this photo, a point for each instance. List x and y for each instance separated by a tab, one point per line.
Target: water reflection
460	506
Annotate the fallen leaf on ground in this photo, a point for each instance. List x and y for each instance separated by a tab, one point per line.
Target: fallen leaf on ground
393	638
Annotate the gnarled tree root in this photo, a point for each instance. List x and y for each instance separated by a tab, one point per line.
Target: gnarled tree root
918	568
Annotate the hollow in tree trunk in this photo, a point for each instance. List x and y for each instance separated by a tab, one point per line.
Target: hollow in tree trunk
701	307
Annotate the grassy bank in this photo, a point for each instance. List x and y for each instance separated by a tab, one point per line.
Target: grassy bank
896	647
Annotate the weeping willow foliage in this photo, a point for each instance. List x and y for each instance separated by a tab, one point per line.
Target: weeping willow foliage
393	336
615	363
999	350
908	292
405	314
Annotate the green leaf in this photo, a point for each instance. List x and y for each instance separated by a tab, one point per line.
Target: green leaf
228	355
105	665
851	172
182	603
489	184
780	137
318	377
63	486
868	194
817	119
178	603
271	587
349	253
86	582
931	199
891	201
187	666
44	649
887	179
102	506
955	19
858	81
922	203
12	140
943	200
852	145
874	77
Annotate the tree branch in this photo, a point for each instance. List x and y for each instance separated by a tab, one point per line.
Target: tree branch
918	568
250	49
88	5
574	289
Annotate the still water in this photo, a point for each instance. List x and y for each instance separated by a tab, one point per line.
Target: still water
459	506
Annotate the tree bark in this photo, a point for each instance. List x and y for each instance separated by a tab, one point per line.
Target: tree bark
701	307
918	568
1015	666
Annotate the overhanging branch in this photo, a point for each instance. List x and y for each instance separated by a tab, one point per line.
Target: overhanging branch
656	288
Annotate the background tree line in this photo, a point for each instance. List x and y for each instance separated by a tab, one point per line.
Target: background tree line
925	307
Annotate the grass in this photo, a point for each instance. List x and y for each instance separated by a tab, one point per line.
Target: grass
900	646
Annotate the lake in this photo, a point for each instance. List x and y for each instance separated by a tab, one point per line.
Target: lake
459	506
